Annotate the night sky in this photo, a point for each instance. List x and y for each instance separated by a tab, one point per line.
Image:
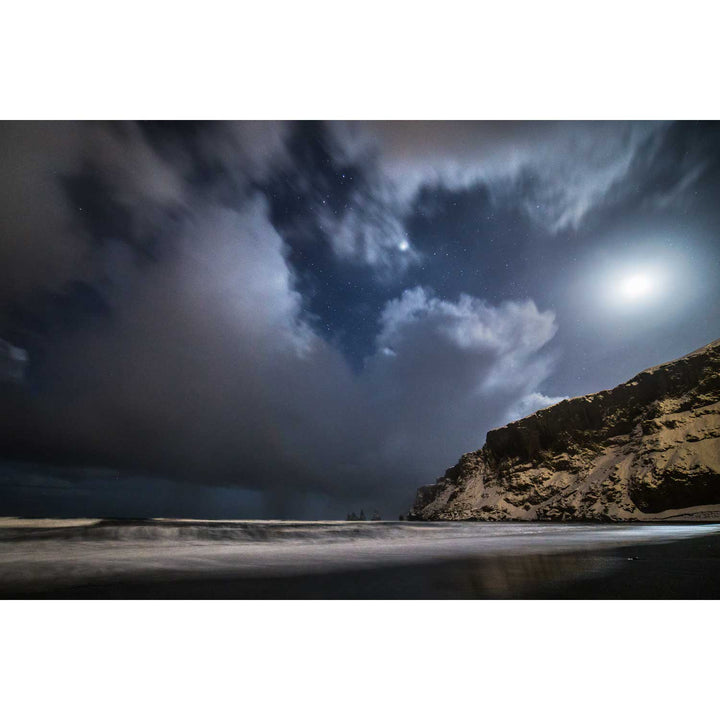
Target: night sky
299	320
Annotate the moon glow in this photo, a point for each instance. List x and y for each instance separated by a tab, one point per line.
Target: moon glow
636	286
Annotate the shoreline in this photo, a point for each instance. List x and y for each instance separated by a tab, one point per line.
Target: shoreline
363	560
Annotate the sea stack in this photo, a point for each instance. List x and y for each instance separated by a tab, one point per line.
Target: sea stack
649	449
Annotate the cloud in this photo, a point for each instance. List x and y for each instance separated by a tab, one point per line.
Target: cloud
205	366
562	170
445	372
368	233
48	239
531	403
41	243
13	361
469	324
208	373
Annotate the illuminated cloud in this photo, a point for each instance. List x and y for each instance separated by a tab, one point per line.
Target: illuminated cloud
565	171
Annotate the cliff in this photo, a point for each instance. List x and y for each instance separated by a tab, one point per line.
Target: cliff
648	449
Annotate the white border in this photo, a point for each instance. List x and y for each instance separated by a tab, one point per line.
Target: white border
377	59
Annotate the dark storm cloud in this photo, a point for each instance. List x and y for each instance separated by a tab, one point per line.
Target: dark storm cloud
171	285
41	241
208	372
49	168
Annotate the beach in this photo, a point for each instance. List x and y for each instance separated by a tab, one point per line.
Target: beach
196	559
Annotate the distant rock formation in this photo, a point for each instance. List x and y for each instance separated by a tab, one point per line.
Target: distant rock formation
648	449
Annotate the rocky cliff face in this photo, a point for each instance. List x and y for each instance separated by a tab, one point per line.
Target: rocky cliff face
648	449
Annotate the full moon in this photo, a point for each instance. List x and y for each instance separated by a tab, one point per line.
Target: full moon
636	287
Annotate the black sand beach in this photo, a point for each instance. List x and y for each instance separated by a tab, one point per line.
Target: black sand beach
167	559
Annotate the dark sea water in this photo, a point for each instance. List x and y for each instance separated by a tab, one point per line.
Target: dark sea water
348	560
